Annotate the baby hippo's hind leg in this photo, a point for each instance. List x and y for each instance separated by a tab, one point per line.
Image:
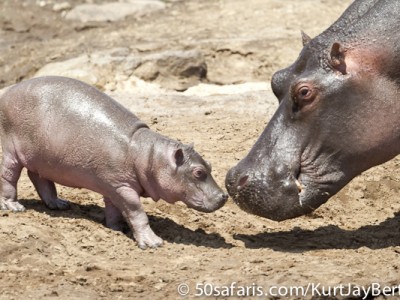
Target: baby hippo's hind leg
10	173
47	192
114	218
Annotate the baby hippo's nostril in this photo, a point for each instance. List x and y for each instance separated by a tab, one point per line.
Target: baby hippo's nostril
242	181
220	201
224	197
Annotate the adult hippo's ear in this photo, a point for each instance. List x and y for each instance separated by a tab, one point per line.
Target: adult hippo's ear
337	58
305	38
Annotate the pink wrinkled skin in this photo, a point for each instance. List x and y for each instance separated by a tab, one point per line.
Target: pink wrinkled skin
65	131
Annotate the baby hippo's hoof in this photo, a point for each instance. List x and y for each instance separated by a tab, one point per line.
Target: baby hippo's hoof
58	204
7	204
148	240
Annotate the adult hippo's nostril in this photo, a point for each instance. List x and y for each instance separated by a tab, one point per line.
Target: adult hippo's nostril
235	181
242	182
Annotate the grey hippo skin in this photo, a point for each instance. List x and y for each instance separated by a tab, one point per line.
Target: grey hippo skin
338	115
65	131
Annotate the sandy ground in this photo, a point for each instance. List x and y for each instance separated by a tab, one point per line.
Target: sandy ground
353	239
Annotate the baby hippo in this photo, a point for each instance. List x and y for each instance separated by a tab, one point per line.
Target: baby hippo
65	131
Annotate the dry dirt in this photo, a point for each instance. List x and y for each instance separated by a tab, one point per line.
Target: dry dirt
353	239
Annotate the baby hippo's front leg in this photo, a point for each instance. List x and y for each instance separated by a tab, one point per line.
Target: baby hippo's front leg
127	204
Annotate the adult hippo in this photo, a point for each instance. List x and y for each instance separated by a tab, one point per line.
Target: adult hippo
338	115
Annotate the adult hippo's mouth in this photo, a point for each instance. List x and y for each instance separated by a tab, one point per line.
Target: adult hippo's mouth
295	194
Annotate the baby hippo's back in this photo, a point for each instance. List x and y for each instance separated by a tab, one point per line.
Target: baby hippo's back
65	130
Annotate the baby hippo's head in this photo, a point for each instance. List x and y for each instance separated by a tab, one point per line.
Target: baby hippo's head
187	178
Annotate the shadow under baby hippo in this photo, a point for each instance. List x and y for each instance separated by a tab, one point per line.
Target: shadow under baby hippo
167	229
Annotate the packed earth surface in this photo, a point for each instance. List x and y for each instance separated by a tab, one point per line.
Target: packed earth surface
199	72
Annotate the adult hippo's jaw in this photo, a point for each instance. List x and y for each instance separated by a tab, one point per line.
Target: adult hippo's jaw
338	115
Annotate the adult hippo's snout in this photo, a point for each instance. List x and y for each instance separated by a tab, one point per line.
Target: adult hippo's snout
338	116
252	194
275	194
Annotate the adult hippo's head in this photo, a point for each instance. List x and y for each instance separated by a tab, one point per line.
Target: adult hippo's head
338	115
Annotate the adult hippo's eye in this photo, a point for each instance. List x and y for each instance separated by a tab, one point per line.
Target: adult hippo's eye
199	173
304	93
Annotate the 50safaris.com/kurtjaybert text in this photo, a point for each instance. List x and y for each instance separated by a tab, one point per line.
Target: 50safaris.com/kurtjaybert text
310	289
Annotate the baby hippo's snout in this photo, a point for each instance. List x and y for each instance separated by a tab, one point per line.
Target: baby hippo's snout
223	199
201	202
216	202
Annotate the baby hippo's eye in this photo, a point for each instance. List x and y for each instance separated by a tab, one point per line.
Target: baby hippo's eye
199	173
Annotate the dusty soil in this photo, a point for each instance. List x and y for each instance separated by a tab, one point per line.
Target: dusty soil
353	239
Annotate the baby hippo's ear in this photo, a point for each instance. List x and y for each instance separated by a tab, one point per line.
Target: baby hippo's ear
178	158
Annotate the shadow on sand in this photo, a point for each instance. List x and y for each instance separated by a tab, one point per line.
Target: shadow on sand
166	228
383	235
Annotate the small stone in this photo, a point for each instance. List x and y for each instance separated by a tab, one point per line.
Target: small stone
61	6
91	267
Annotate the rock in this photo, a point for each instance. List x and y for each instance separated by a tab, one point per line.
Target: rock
57	7
176	70
146	98
113	11
230	89
78	68
96	69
